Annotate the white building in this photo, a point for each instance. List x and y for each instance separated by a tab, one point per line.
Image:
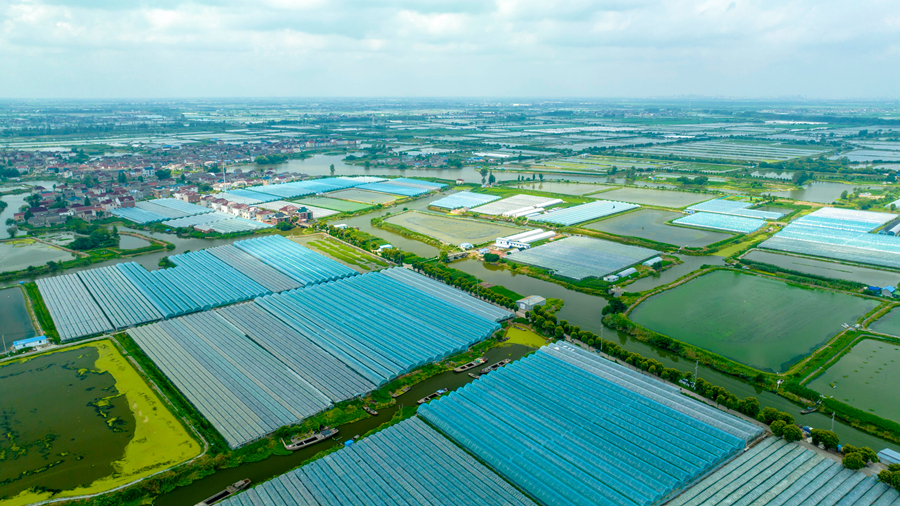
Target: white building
524	239
33	342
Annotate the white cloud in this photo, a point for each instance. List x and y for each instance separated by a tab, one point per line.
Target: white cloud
108	48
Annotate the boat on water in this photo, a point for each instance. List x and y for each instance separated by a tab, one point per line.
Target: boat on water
474	375
230	490
400	392
298	443
471	365
496	366
370	411
811	409
435	395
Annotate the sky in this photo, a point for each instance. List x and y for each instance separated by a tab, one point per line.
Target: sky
817	49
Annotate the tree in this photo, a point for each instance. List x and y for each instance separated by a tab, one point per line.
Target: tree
284	226
825	438
541	176
792	433
444	257
87	200
854	462
615	306
34	200
122	178
163	174
491	257
777	427
492	179
749	406
367	165
12	231
331	169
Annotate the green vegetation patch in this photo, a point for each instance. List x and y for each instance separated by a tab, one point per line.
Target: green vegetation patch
451	230
866	378
763	323
506	292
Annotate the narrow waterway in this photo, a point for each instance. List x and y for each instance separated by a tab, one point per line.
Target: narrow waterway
276	465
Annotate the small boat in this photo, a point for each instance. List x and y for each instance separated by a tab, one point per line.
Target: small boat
811	409
370	410
474	375
496	366
298	443
230	490
471	365
400	392
435	395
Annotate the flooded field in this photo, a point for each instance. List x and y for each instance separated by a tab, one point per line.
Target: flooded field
688	265
887	324
661	198
865	378
81	421
22	253
651	224
452	230
563	188
759	322
866	275
15	323
818	191
127	242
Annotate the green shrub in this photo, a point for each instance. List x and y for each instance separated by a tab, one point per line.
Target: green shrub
854	462
792	433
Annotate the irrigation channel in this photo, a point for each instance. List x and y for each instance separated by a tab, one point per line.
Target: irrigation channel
276	465
584	311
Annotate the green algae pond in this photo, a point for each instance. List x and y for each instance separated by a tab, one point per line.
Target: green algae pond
865	378
760	322
651	224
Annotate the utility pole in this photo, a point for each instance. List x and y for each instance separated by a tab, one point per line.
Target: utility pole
832	421
696	371
4	345
601	337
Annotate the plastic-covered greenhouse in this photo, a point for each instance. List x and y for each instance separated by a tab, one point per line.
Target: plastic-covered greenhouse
198	219
267	276
298	262
406	464
180	205
163	210
448	294
583	440
122	302
515	202
735	208
392	329
724	222
776	473
74	312
464	199
247	197
582	257
584	212
138	215
236	225
395	189
841	234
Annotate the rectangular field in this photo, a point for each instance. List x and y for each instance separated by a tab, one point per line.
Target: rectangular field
651	224
363	196
451	230
582	257
661	198
865	378
734	150
725	222
563	188
756	321
868	276
584	212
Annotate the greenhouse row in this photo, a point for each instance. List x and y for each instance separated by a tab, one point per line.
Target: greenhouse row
582	257
180	205
586	440
165	210
514	203
406	464
236	225
309	187
74	312
724	222
138	215
846	219
391	329
267	276
241	389
324	371
248	197
735	208
776	473
584	212
395	189
464	199
199	219
122	303
294	260
447	293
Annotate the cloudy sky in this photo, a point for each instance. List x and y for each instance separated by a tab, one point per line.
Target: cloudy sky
463	48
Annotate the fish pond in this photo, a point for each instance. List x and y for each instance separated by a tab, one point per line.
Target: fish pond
562	188
818	191
15	322
865	378
756	321
887	324
19	254
866	275
651	224
80	421
661	198
451	230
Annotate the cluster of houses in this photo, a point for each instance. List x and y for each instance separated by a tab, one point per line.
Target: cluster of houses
289	212
152	157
